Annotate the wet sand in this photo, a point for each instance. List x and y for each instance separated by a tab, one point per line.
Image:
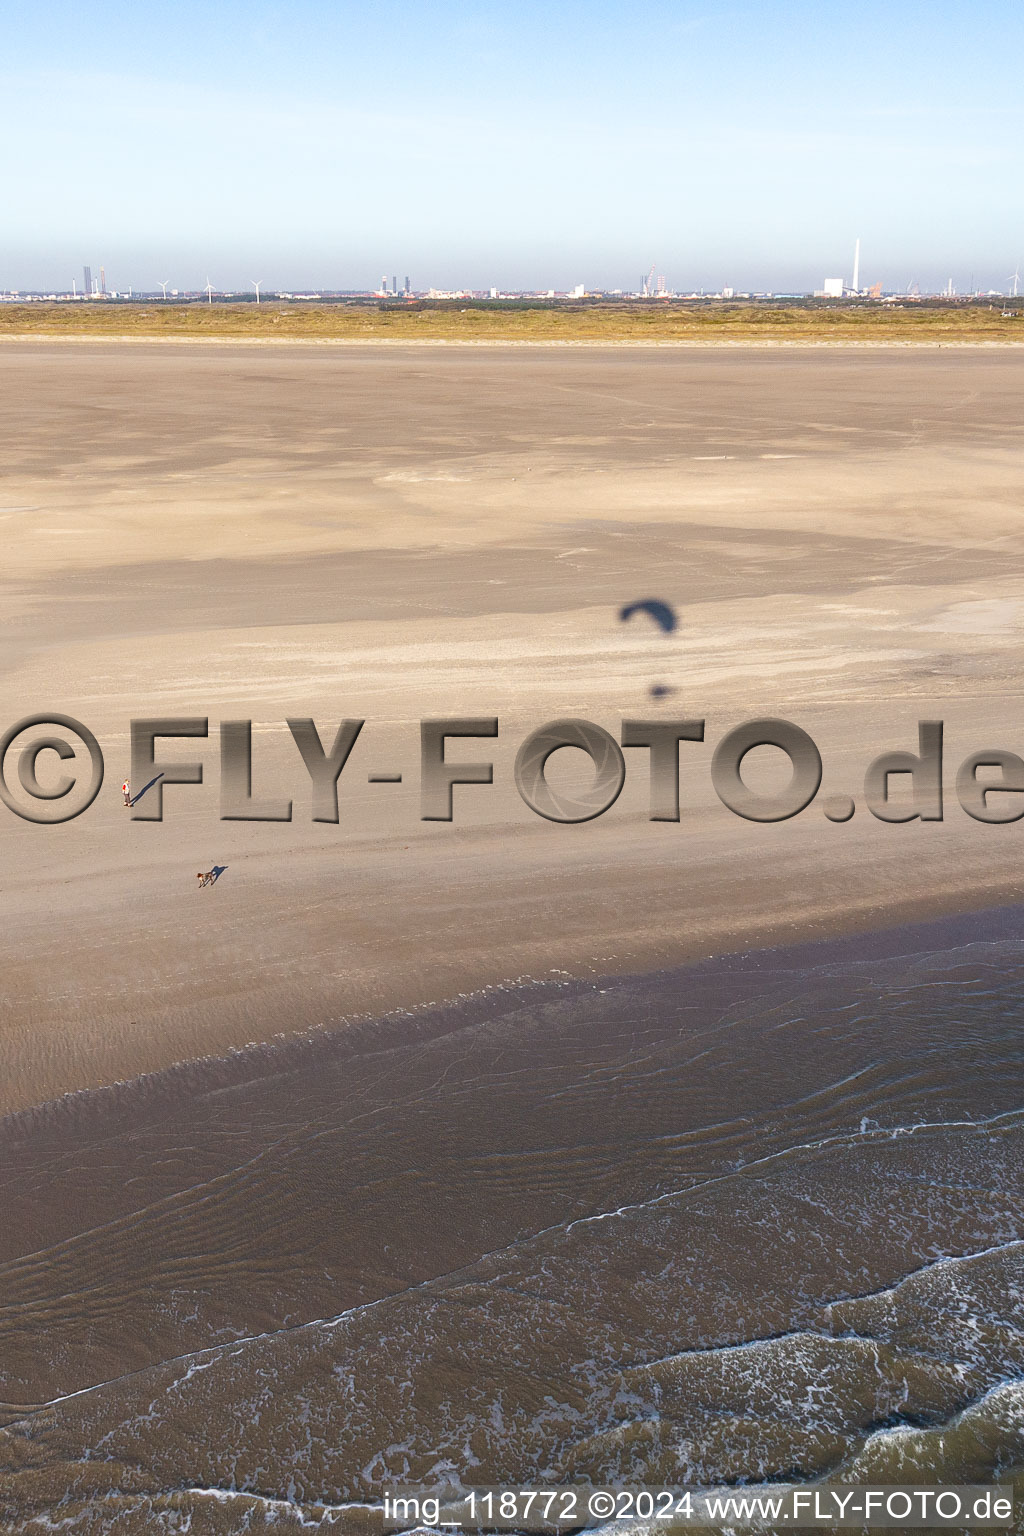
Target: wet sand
758	1219
519	1197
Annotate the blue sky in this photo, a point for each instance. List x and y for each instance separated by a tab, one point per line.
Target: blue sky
520	145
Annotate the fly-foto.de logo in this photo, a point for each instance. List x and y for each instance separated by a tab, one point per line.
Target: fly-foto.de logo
52	768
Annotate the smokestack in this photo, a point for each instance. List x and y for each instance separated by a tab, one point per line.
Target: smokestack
856	267
87	273
103	279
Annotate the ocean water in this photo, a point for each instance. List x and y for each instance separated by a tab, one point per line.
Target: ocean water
759	1220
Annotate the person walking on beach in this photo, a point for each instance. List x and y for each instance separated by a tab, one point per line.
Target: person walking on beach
126	790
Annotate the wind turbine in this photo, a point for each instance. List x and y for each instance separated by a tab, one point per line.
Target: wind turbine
209	290
1015	280
256	284
164	287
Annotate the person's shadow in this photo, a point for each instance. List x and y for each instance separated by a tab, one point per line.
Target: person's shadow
216	872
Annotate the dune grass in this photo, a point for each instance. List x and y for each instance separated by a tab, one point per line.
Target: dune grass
497	322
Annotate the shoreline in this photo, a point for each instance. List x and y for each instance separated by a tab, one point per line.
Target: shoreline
685	1166
914	930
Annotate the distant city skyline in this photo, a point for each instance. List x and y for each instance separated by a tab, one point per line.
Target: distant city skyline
97	287
476	145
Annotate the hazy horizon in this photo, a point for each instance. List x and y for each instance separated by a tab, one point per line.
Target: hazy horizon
319	147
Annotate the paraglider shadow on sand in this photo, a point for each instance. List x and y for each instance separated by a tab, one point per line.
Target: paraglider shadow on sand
664	615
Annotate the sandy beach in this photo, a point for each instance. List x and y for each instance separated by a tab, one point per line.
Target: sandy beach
626	1149
230	532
